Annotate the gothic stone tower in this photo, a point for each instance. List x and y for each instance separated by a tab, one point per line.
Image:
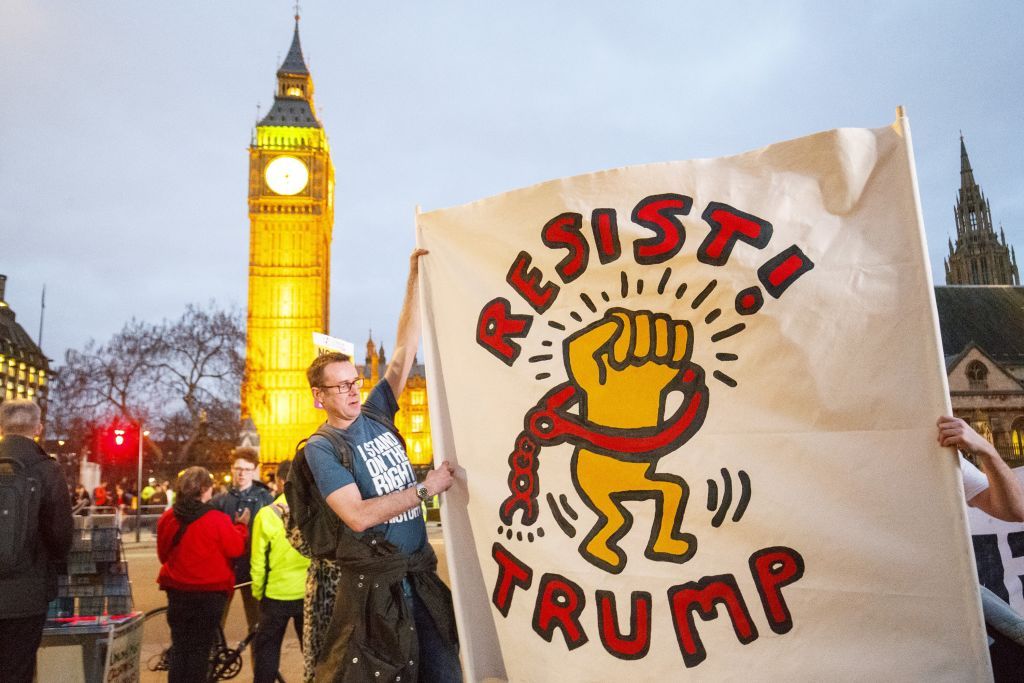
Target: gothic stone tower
291	216
980	257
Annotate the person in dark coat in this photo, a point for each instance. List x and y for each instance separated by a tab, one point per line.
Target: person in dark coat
159	497
27	587
245	494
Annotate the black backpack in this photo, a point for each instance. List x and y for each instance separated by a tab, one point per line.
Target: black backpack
311	526
20	497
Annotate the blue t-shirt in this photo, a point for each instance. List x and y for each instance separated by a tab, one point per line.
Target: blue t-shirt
380	466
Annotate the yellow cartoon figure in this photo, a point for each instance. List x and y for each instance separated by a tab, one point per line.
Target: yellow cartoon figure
623	368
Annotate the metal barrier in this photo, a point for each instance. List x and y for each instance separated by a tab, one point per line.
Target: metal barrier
125	519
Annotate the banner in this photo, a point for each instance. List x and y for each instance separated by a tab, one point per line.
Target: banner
695	407
999	554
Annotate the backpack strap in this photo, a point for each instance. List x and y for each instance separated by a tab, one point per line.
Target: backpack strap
341	447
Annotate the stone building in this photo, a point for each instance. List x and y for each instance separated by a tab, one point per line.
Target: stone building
983	341
24	368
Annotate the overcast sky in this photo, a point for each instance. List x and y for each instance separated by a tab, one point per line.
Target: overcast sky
124	125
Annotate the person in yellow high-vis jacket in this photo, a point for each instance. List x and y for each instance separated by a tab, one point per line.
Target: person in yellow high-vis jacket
278	582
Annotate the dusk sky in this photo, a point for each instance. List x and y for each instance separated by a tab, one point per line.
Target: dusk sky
125	125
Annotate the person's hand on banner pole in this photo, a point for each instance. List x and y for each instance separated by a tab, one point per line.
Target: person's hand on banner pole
440	479
1004	497
957	433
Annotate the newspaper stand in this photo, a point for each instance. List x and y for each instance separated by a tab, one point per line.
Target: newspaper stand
93	610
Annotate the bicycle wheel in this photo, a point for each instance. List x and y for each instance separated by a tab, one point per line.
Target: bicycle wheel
156	640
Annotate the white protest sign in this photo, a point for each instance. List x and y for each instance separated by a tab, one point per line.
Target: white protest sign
695	405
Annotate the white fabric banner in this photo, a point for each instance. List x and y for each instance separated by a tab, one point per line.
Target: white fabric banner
695	406
999	554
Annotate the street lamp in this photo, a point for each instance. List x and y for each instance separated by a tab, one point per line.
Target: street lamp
138	488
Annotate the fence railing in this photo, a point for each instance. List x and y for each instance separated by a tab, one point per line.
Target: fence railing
126	519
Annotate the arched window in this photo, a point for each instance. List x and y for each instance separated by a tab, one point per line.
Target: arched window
977	375
1017	437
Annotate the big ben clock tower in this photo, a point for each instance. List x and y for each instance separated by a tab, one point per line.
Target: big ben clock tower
291	217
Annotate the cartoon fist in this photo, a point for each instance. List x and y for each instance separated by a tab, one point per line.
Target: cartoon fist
625	364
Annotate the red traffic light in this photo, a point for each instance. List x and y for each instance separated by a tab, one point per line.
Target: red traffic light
117	442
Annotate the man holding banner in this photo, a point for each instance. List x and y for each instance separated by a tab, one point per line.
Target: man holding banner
382	545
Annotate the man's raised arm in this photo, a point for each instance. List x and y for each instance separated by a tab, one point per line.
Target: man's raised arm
408	330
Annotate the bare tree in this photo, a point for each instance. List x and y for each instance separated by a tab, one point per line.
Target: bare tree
180	378
106	382
200	362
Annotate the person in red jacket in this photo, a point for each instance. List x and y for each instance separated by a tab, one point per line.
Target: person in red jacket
196	545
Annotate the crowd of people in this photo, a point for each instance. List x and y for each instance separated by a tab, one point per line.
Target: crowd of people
155	496
364	594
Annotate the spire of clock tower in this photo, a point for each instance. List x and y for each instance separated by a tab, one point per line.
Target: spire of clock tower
293	101
294	63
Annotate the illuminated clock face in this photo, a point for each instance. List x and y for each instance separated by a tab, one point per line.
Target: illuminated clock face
287	175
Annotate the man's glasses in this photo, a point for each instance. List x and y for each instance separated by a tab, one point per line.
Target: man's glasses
243	469
345	387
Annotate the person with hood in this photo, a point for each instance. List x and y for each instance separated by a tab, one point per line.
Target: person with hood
196	545
245	494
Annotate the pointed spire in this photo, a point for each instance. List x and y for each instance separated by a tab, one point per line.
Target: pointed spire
980	255
966	174
293	102
294	64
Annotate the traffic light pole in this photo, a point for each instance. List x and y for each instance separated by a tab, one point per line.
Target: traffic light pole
138	491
